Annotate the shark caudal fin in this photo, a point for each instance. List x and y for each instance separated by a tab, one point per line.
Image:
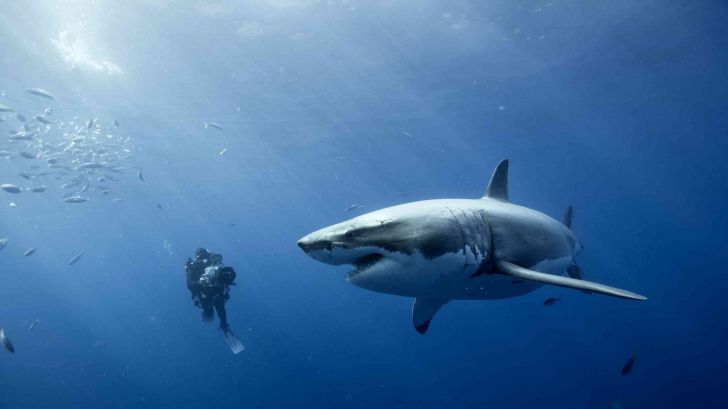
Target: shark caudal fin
498	186
513	270
568	216
423	310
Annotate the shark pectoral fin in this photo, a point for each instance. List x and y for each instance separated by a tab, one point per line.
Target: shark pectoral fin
511	269
423	310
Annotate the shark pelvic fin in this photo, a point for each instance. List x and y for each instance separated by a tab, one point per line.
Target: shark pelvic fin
498	186
423	310
568	216
574	271
513	270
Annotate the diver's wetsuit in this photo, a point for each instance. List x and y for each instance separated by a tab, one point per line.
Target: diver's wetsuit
207	297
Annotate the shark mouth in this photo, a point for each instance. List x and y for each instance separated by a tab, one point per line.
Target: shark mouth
364	263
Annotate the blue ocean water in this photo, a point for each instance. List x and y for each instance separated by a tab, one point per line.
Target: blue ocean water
617	108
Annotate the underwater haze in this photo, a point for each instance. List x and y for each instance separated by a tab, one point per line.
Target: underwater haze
241	126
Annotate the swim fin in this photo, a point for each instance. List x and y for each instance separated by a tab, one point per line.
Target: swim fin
233	342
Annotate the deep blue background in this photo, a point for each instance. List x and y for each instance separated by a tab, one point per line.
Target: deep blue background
618	108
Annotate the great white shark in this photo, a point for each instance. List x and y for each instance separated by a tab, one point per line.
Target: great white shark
456	249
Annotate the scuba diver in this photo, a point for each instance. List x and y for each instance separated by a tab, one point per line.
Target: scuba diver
209	283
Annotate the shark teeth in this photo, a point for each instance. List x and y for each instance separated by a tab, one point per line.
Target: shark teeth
363	263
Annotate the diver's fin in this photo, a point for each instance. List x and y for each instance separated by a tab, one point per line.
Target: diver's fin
233	342
568	216
530	275
423	310
574	271
498	186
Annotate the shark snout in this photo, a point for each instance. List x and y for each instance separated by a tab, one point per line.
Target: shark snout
318	246
313	242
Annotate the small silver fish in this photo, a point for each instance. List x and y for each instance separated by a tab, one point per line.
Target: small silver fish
20	117
3	242
6	341
222	152
353	207
32	325
29	252
91	165
116	123
42	119
141	177
38	189
70	185
75	199
213	125
27	155
10	188
75	258
48	111
551	301
5	108
41	93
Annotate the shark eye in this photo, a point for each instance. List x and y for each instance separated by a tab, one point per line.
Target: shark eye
349	234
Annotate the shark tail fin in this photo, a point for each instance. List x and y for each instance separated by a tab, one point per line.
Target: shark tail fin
568	216
498	186
423	310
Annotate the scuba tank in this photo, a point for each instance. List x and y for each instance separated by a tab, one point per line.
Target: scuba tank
217	274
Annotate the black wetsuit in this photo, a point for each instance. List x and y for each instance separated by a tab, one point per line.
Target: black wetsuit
207	297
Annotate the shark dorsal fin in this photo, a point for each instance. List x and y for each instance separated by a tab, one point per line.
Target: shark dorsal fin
568	216
498	186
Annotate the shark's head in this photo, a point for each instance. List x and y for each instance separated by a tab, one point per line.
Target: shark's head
403	249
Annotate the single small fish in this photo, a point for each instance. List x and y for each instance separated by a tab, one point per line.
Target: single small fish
70	185
48	111
75	199
33	324
3	242
116	123
353	207
75	258
42	119
26	175
627	368
23	136
91	165
20	117
141	177
29	252
38	189
90	124
6	341
407	134
213	125
27	155
41	93
10	188
5	108
222	152
6	154
101	179
159	206
551	301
